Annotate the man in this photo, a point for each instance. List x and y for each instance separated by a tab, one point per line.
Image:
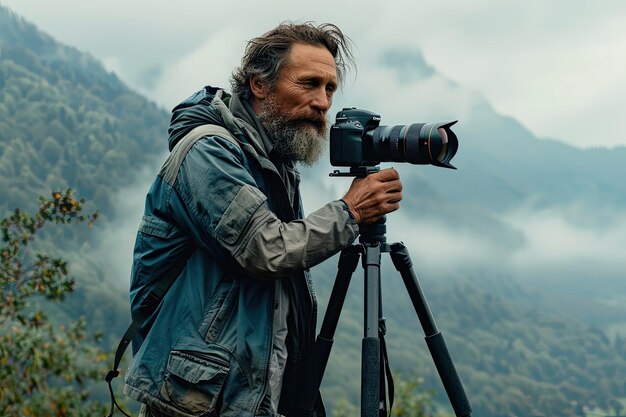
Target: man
236	328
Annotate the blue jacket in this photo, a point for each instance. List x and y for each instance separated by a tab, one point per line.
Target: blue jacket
231	218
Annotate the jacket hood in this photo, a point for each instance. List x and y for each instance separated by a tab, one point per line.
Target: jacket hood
194	111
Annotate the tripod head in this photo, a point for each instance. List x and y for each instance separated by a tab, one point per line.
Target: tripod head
374	233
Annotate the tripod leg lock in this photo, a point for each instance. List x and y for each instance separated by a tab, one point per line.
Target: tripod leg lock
400	256
382	326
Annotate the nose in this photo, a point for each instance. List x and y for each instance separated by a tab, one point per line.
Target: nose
322	100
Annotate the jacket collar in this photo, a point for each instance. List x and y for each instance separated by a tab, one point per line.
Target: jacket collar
245	114
240	119
243	110
253	144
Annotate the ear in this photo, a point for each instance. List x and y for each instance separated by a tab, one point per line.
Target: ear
259	87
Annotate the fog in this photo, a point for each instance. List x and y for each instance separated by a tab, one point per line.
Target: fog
116	236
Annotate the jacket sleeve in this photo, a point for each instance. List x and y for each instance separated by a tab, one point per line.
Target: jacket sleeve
218	201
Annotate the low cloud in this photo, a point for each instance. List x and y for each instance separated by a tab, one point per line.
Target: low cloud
552	240
209	64
558	240
116	238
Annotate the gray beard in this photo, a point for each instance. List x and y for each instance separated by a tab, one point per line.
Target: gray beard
294	140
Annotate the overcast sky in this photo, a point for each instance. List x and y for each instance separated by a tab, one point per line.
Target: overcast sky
559	67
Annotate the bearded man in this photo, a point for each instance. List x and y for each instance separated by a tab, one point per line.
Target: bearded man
235	330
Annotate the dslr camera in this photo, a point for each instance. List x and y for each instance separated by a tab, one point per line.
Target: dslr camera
357	141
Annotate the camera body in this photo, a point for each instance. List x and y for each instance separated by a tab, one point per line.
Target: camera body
349	144
358	140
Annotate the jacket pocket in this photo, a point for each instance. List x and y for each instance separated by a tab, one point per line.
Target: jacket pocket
238	213
194	379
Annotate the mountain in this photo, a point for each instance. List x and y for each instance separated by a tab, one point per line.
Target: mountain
531	328
66	121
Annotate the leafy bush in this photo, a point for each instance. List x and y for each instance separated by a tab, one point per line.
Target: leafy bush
45	368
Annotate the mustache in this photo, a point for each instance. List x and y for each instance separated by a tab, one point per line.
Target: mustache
316	120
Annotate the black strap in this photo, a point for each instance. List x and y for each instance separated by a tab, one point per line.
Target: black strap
145	310
384	364
113	402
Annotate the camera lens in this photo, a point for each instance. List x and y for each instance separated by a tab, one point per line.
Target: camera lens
418	143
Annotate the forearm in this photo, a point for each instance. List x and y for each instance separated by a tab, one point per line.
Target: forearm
273	249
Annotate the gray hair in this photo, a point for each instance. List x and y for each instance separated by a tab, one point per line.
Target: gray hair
266	54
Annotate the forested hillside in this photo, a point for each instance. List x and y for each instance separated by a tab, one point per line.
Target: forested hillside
67	122
513	359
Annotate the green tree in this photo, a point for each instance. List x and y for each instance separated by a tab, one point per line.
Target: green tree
412	400
45	368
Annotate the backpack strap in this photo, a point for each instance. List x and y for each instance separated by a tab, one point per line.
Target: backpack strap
170	168
147	307
168	172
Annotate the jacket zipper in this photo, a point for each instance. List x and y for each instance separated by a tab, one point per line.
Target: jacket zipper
206	356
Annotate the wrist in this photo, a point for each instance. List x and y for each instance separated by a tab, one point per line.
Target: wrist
347	208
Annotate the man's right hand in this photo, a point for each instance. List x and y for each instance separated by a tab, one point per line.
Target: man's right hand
372	197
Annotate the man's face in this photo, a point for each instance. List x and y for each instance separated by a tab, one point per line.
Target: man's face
294	112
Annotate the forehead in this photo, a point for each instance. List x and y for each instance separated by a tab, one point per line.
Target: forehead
311	58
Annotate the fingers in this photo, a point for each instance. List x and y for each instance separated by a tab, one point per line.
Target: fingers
372	197
393	186
387	174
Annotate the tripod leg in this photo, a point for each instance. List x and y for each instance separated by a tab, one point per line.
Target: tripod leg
348	261
434	339
370	354
384	363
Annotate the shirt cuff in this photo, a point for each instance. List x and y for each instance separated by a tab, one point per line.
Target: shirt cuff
347	209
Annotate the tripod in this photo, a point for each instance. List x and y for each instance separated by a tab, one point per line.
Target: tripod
373	398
